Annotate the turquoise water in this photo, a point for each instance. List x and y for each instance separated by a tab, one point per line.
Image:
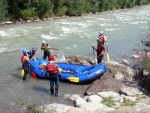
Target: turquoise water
74	36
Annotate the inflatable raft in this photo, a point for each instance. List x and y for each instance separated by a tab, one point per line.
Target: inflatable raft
70	72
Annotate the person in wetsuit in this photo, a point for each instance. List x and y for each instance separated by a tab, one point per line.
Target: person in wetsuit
31	53
25	63
100	50
46	48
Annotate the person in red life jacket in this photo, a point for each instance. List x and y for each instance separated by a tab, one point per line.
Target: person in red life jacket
54	74
100	51
25	63
46	48
31	53
102	37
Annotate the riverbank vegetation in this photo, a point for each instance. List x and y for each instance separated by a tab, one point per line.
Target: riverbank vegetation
40	9
144	61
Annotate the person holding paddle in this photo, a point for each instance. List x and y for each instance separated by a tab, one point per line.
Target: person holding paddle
103	38
100	51
46	48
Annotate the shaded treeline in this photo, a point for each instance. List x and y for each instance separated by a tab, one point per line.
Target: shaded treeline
34	9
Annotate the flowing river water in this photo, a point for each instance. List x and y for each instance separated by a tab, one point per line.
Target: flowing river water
74	36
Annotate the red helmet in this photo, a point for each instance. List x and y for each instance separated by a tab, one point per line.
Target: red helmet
51	58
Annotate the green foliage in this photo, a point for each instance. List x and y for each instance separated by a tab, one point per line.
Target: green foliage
94	5
44	8
61	11
48	8
60	7
75	7
109	102
32	109
28	13
3	9
128	102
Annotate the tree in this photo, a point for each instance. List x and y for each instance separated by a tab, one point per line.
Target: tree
94	5
75	7
60	7
3	10
44	8
103	5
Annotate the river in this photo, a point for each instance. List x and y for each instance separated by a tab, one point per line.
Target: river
74	36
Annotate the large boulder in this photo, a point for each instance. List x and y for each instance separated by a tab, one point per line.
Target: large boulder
105	84
115	68
78	59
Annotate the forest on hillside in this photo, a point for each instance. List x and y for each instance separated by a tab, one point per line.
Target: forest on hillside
34	9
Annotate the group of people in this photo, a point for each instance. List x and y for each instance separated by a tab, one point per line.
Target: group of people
53	74
51	68
101	39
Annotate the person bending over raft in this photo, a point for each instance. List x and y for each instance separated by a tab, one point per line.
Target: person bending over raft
31	53
25	63
46	48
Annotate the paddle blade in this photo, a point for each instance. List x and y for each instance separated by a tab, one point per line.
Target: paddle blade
22	72
33	75
108	58
74	79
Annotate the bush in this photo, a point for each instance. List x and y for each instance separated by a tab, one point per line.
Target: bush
29	13
61	11
44	8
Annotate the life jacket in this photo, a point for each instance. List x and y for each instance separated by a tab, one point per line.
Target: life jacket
102	38
52	68
45	48
22	59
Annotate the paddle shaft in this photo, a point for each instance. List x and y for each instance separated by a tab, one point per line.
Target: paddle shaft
94	55
107	54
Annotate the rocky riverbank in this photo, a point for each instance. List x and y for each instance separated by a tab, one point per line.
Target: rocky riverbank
117	91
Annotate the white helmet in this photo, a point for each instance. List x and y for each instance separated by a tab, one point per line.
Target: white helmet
43	41
101	32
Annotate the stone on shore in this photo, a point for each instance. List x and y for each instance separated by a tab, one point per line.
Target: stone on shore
103	84
112	85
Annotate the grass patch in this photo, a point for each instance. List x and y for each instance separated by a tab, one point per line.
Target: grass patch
128	102
32	109
109	102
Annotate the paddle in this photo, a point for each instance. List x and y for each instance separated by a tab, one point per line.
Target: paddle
94	54
108	58
73	79
22	72
54	48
